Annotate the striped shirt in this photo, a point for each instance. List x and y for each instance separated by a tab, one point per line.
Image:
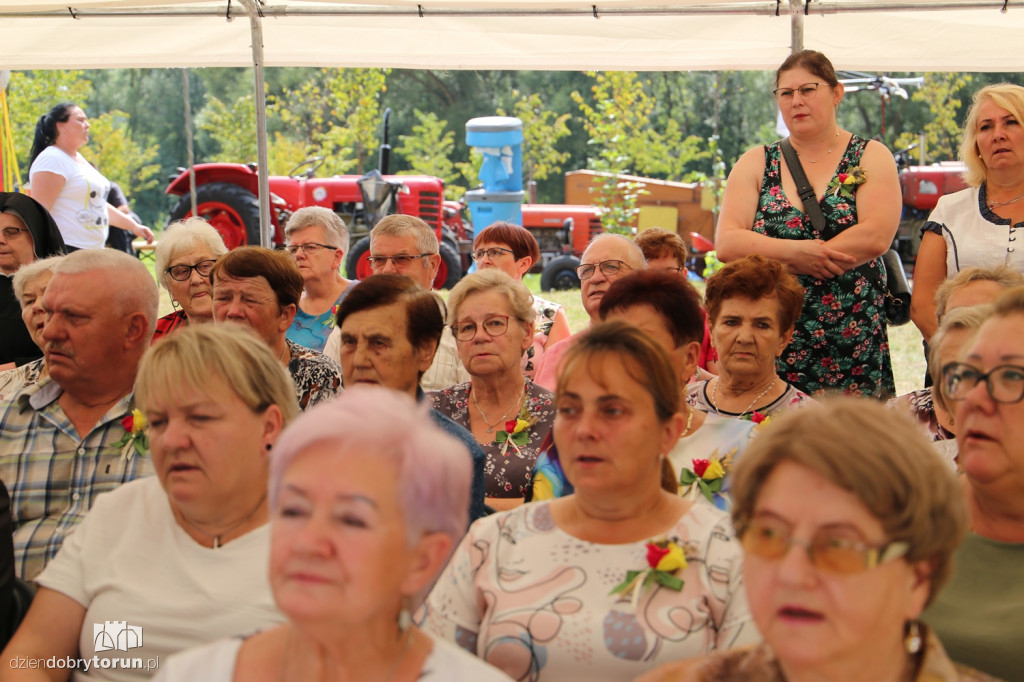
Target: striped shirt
53	474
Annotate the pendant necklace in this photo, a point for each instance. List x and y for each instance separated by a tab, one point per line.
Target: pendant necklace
502	418
997	204
217	543
714	396
830	151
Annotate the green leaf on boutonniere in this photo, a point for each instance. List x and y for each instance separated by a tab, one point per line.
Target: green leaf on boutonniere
501	437
521	438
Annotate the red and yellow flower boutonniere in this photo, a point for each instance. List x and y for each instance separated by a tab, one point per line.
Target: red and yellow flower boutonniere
665	559
516	433
844	183
706	476
756	417
136	438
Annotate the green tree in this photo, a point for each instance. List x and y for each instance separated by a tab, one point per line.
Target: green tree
942	93
232	129
30	94
428	151
542	130
122	159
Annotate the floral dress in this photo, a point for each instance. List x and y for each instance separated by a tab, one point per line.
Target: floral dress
840	342
509	466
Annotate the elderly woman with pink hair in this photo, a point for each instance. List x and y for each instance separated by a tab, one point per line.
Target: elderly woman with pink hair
367	500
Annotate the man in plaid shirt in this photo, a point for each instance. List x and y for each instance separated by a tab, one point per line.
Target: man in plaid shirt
68	438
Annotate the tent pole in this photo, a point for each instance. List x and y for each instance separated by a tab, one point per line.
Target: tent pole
188	142
796	18
261	120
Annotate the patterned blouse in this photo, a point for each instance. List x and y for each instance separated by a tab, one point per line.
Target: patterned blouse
697	396
759	664
317	378
535	602
509	466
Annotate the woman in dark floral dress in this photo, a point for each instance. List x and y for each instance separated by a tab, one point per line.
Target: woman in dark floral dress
492	318
840	341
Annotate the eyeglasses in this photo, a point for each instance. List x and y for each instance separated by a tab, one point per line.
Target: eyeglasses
495	325
1005	383
492	254
401	262
609	268
826	550
807	91
309	249
12	232
183	272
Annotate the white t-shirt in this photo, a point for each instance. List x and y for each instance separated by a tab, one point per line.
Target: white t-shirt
131	566
215	662
81	207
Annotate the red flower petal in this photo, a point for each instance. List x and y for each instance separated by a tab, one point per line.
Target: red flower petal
654	554
128	422
510	425
700	466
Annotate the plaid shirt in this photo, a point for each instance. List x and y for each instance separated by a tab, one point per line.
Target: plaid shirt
53	475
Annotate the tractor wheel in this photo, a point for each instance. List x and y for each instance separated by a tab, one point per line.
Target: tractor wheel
356	265
232	210
450	271
560	274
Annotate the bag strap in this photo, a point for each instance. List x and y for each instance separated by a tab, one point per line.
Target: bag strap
803	186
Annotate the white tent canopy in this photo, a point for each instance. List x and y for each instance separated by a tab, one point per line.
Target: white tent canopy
870	35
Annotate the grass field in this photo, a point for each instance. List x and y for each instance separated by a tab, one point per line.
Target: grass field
904	342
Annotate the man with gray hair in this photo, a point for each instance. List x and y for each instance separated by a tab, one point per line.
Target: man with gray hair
405	245
72	436
608	257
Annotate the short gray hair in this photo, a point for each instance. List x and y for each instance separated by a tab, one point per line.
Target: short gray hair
335	232
400	225
130	286
1002	275
634	255
969	318
183	236
28	273
520	300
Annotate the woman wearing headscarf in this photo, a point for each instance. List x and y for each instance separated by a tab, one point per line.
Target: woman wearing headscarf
27	233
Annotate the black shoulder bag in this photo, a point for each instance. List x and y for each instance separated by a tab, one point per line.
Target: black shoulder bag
897	294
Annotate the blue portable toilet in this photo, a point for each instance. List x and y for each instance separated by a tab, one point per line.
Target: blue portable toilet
500	140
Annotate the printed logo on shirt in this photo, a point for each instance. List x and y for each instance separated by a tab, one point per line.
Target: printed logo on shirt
116	635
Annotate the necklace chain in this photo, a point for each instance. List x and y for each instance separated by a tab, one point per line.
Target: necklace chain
689	422
753	403
997	204
217	537
826	153
502	418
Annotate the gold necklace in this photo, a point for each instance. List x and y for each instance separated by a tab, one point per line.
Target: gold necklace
689	422
714	396
502	418
826	153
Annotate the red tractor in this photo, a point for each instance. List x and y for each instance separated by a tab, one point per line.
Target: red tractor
922	186
226	196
